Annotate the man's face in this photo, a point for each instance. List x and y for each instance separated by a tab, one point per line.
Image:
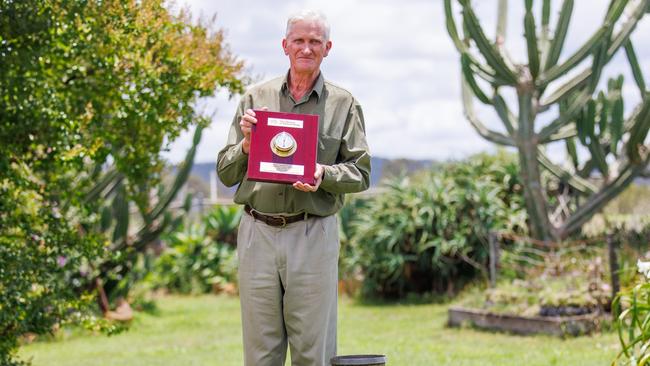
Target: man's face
306	46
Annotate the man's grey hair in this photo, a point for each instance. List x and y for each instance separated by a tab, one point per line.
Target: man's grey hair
310	15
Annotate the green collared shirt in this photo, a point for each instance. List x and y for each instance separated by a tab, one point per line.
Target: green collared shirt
342	148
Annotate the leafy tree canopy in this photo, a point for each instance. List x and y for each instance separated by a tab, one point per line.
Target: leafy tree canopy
85	83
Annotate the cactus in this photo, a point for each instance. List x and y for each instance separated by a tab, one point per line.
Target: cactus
116	222
614	144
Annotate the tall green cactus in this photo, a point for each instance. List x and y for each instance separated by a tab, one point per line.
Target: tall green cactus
614	145
130	237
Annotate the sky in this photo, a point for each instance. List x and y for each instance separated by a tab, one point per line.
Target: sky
397	59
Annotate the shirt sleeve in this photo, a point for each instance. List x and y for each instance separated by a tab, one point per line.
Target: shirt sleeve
232	162
351	173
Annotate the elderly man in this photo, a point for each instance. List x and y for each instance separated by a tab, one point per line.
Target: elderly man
288	242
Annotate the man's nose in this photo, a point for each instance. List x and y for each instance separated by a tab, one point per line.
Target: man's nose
306	49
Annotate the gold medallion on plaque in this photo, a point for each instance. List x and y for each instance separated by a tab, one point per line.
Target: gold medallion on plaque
283	144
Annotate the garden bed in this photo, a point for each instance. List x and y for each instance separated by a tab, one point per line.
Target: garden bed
552	325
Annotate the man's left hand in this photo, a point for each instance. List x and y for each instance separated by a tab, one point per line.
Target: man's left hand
318	175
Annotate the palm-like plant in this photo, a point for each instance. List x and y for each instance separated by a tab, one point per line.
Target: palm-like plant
222	224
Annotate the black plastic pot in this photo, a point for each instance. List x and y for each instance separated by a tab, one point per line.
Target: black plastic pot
359	360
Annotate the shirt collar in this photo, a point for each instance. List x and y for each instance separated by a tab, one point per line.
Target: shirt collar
317	88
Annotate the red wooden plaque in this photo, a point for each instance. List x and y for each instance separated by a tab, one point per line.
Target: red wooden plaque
283	147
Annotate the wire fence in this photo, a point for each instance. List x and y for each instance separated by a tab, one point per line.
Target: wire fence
533	257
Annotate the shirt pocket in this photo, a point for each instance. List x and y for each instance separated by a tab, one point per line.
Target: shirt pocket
328	149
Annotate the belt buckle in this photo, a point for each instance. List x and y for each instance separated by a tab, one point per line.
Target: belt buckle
268	219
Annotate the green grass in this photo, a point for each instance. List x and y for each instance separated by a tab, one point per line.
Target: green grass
206	331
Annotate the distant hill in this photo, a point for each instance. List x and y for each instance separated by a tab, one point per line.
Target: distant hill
381	168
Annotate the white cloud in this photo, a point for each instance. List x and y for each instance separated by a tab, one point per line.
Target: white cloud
397	59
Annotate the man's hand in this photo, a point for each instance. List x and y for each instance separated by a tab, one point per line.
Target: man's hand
246	124
318	174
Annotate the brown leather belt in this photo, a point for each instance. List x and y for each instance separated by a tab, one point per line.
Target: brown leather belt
276	220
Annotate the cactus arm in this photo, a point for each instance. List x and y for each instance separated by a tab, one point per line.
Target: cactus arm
561	29
468	76
147	236
531	40
556	71
105	218
502	25
508	119
546	14
603	112
484	72
460	45
486	133
148	232
578	183
572	151
640	120
634	115
616	125
502	21
599	61
142	237
634	65
626	29
187	205
121	213
452	29
544	39
589	121
565	132
94	193
489	52
564	118
599	156
181	177
587	168
597	201
615	10
567	89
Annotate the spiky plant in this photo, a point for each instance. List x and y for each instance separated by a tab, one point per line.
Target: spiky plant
614	144
130	232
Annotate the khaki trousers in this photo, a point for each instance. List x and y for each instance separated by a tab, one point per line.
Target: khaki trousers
288	291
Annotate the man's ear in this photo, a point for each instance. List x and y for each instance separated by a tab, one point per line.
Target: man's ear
328	47
284	46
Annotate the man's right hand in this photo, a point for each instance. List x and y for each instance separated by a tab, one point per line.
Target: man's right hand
246	124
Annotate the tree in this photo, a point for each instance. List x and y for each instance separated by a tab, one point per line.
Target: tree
87	85
614	144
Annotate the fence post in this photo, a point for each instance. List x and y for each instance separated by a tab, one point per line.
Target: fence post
200	200
494	257
613	265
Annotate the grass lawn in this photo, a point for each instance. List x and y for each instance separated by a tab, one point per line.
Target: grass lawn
206	331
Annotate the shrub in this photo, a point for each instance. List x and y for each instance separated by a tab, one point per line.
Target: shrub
430	232
86	84
196	259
